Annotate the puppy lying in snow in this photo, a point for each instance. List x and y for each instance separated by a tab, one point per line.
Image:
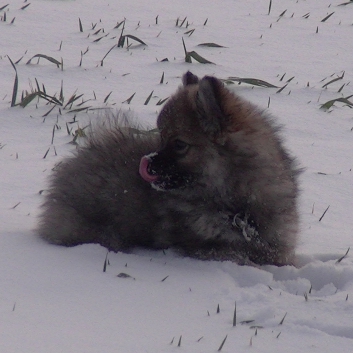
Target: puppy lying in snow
215	183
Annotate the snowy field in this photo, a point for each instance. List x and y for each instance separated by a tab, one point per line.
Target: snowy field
55	299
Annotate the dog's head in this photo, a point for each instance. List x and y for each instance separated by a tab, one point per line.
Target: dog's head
193	126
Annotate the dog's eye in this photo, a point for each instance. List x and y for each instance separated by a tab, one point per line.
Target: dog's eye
180	147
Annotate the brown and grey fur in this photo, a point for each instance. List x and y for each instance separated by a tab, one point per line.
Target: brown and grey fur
216	183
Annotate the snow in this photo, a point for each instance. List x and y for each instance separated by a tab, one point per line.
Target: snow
56	299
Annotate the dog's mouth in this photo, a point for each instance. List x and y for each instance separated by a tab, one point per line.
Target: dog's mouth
145	170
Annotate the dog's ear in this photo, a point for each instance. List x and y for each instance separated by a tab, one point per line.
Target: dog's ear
190	79
209	106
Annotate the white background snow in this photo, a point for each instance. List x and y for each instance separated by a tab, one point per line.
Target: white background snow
56	299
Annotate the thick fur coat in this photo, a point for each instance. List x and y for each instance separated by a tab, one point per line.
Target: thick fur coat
215	183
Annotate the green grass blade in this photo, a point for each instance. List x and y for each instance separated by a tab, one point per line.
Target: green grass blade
199	58
331	102
135	38
28	99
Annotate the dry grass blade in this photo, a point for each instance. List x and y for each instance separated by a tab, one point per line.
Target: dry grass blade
161	101
185	51
24	7
327	17
121	40
107	97
281	323
15	86
37	83
29	97
211	45
50	99
61	95
72	99
190	32
346	3
48	112
282	88
106	262
252	81
246	322
98	39
341	258
187	55
183	21
341	88
235	315
78	109
282	14
324	213
128	101
334	80
80	25
164	278
49	58
46	153
222	344
13	207
116	45
119	24
148	98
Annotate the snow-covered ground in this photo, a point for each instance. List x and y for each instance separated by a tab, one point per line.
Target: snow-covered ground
55	299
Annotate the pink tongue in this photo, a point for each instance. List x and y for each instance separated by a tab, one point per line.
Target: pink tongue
144	171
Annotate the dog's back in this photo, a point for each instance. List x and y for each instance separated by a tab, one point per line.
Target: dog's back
98	195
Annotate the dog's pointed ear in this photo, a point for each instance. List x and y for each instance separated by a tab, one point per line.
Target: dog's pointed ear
190	79
209	106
